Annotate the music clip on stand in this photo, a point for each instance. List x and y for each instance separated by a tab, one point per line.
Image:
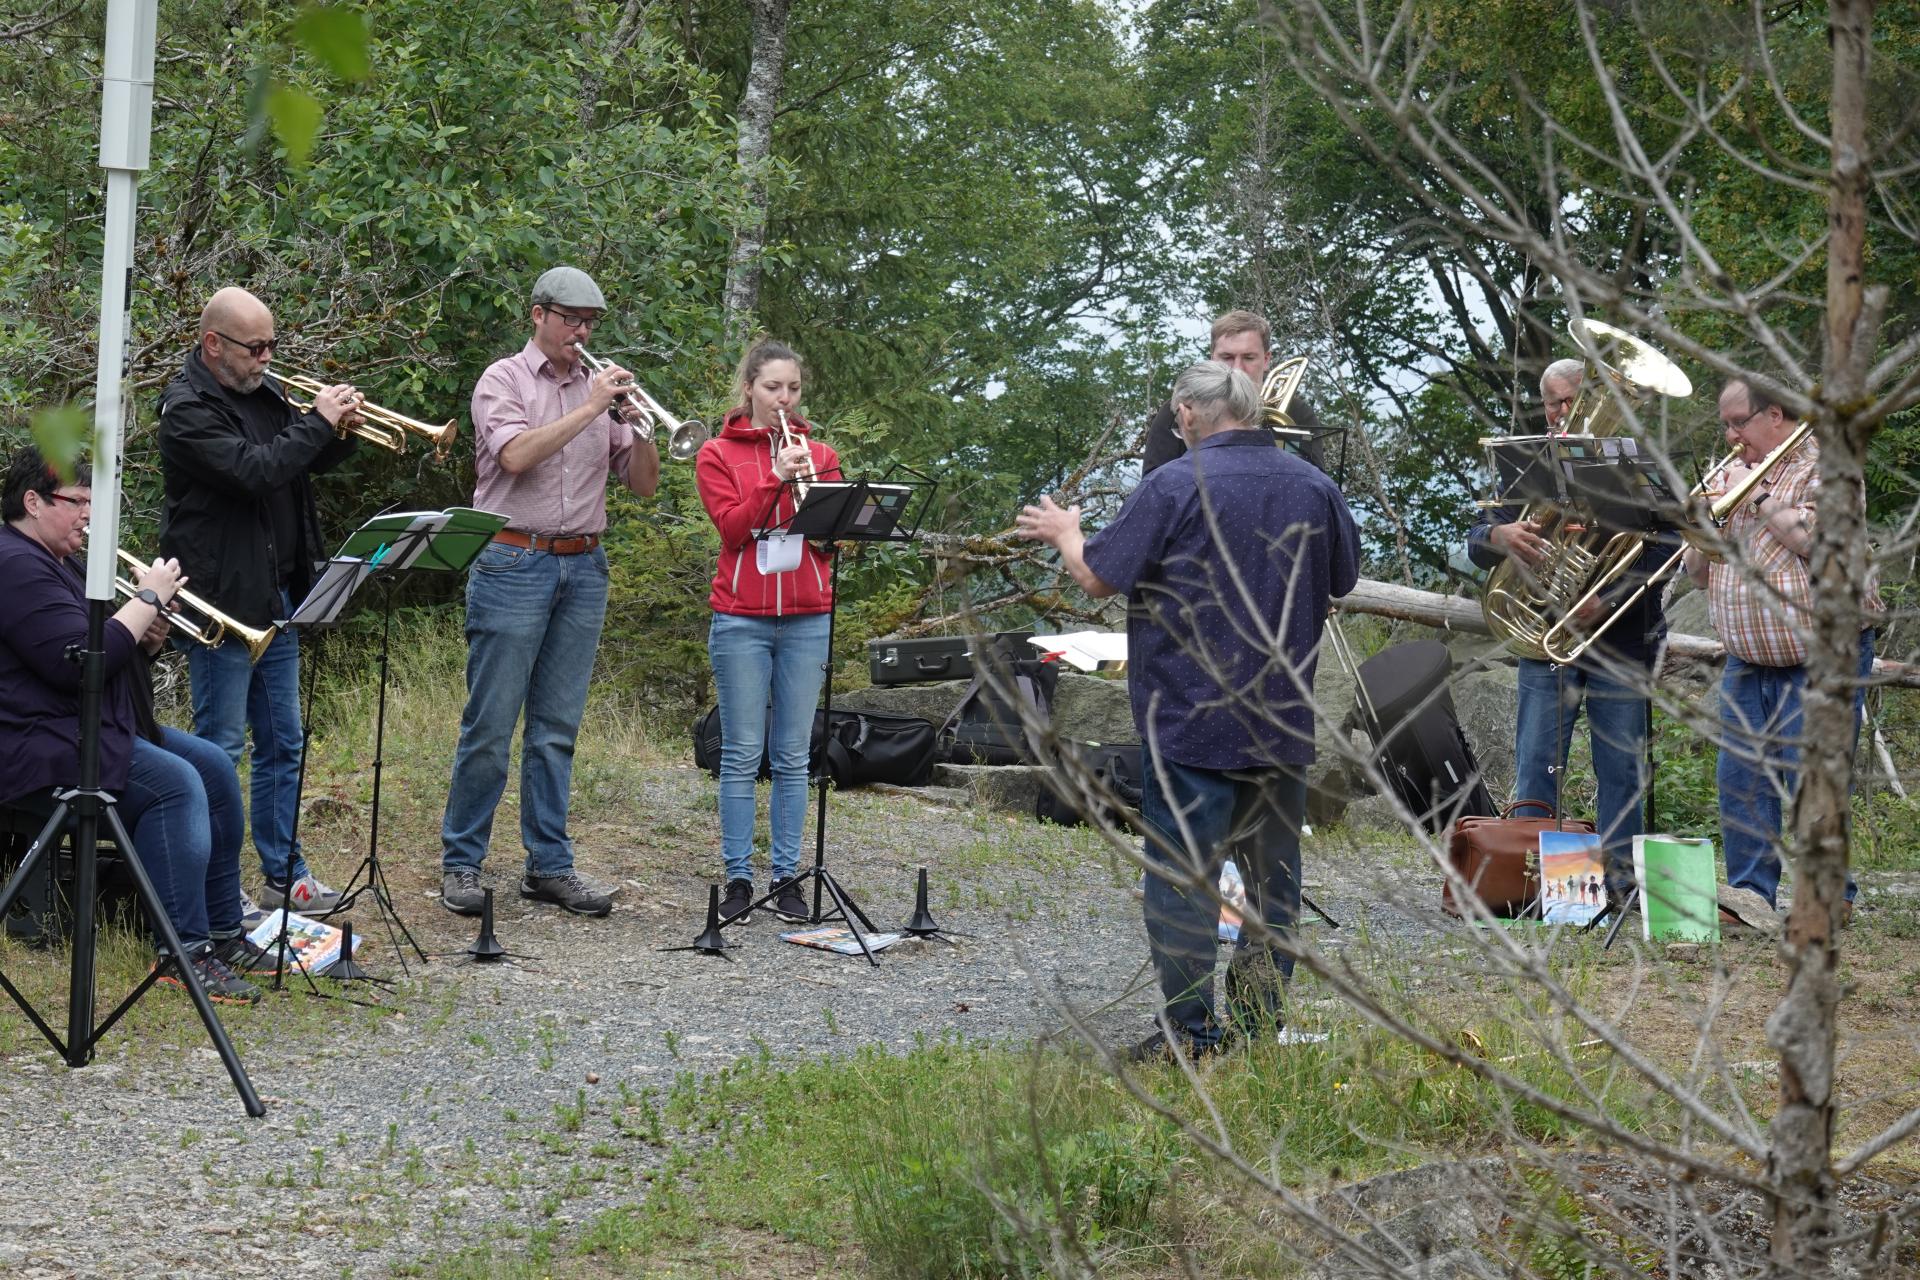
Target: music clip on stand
836	511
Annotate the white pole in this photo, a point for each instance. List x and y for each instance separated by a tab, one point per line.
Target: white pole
126	126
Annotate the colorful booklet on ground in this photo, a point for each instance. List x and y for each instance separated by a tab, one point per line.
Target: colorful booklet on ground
1679	883
315	945
834	938
1573	879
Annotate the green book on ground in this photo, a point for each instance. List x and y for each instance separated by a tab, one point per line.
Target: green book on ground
1679	882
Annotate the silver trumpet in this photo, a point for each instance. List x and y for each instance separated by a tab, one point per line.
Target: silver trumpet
643	413
788	438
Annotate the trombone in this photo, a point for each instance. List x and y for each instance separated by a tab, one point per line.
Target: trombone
202	624
369	421
643	413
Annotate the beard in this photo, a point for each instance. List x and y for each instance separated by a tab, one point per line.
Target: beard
246	383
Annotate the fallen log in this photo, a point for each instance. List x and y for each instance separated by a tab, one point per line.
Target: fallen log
1457	613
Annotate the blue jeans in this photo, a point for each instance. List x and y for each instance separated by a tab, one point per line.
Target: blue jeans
1760	725
232	694
1551	698
754	660
1202	815
181	805
533	626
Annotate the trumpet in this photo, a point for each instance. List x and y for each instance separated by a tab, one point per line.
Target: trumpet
789	438
643	413
369	421
201	623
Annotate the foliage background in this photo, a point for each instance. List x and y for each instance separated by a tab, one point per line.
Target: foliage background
995	233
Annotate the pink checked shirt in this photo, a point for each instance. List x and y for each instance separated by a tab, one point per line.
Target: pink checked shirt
1764	622
567	493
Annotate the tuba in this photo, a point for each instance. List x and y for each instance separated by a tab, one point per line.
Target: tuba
1276	397
1533	609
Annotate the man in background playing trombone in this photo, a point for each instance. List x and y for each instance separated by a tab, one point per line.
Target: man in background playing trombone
1612	680
543	445
236	457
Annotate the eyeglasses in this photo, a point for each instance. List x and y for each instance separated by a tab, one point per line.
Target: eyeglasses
1742	424
572	321
67	497
254	349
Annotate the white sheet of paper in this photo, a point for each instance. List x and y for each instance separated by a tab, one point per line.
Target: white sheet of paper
778	552
1085	650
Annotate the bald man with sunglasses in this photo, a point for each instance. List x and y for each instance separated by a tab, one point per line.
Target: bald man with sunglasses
236	458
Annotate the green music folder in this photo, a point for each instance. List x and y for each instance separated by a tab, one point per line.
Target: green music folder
1679	888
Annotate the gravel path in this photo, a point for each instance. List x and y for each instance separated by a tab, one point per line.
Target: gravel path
448	1118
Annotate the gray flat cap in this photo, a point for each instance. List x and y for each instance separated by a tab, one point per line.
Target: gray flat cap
567	287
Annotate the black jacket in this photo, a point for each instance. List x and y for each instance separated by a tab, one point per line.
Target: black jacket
220	467
1162	443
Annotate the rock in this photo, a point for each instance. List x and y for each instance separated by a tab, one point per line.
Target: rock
931	702
1093	709
1012	787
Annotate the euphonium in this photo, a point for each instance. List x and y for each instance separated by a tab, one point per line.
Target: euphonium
1719	511
200	621
1532	609
1276	398
643	413
369	421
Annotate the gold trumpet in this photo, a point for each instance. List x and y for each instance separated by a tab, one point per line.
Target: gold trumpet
643	414
202	624
369	421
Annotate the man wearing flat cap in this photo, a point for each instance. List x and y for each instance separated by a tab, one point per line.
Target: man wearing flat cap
543	445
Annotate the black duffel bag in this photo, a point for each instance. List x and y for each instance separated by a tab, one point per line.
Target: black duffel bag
863	747
1118	767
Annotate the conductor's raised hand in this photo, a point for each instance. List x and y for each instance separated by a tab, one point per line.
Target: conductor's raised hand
1047	521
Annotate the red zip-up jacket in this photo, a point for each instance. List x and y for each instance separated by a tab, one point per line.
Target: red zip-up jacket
734	473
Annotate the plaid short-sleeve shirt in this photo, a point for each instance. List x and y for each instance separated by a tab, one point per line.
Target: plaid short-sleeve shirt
1762	608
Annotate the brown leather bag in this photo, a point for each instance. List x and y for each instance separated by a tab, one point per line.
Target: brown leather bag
1500	858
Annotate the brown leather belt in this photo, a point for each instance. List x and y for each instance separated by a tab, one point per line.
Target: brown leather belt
568	546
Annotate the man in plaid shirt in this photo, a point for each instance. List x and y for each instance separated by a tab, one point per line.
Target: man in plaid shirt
1761	603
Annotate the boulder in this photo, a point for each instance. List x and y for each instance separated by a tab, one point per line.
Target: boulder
932	702
1093	709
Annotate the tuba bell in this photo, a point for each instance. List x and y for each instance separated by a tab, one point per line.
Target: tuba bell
1533	609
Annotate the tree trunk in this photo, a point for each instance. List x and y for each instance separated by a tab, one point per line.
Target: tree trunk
1801	1029
757	107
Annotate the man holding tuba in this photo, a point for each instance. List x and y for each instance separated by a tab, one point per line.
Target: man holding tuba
1759	605
543	445
1611	681
1240	340
239	516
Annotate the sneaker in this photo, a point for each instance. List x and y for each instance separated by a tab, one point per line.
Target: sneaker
461	893
308	898
251	912
1161	1049
222	985
735	901
240	954
568	891
788	902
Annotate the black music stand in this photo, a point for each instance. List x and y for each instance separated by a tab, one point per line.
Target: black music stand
388	544
834	512
82	809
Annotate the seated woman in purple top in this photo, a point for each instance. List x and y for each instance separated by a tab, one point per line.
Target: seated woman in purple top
178	794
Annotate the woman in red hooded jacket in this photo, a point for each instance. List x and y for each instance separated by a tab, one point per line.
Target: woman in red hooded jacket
771	597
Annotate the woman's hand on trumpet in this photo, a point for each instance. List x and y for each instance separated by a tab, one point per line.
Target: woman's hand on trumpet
793	462
164	579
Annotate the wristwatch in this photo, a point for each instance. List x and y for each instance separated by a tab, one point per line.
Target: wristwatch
147	595
1760	498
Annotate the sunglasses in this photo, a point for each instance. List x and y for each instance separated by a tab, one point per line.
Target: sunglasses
254	349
